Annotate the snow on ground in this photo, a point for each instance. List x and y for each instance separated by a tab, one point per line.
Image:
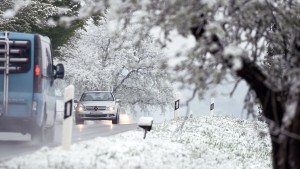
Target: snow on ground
205	142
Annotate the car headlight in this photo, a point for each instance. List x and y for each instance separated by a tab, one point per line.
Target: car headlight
80	107
110	108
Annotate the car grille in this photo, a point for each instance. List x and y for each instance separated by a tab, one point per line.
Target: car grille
95	108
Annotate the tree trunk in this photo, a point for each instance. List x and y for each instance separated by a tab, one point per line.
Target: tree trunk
285	150
294	144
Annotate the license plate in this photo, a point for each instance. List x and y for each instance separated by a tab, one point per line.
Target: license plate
96	113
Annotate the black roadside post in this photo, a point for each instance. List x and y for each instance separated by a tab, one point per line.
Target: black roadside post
146	124
212	106
176	110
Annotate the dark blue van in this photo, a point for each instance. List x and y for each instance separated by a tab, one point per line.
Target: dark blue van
27	73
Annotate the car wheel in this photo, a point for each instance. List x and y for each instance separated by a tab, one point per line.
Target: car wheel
116	120
78	120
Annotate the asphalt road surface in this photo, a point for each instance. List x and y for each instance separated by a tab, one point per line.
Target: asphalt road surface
15	144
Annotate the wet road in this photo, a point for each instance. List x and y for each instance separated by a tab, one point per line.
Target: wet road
15	144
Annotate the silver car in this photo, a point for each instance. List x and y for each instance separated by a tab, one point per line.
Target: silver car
97	105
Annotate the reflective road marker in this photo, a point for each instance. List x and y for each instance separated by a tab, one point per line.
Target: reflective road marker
68	117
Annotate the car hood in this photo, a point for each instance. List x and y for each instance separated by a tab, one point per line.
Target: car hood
98	103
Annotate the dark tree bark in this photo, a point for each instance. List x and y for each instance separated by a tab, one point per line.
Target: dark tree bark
294	144
256	80
285	144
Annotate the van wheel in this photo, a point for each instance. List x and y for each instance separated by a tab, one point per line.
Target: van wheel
49	135
38	136
43	135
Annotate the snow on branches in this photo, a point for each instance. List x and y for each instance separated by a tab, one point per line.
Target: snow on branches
94	61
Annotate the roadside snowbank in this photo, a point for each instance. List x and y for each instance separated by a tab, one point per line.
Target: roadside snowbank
205	142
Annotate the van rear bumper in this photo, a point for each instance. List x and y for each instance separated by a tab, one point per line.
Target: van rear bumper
14	124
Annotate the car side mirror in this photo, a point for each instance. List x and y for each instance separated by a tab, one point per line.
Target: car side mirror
60	71
146	124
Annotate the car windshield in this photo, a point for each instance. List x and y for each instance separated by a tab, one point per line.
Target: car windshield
97	96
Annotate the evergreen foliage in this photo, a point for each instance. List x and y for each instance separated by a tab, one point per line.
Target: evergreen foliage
36	17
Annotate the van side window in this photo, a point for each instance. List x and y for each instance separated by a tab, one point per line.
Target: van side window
49	63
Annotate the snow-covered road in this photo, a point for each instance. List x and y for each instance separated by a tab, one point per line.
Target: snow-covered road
15	144
206	142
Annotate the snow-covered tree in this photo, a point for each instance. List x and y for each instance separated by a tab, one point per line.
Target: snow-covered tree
258	40
46	17
22	16
94	61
